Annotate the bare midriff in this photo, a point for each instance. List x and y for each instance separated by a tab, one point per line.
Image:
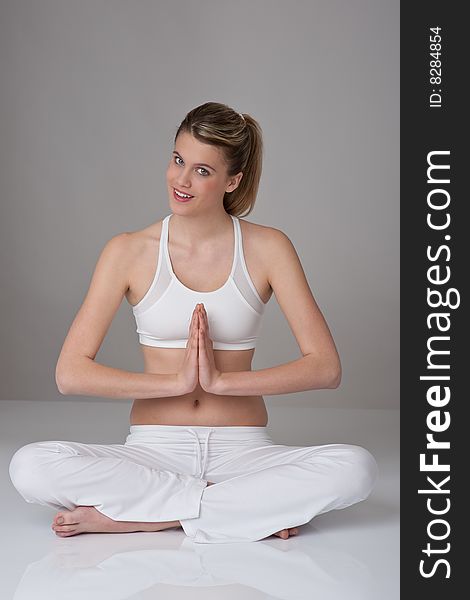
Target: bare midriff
198	407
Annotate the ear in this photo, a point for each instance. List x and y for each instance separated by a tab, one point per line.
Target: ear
234	182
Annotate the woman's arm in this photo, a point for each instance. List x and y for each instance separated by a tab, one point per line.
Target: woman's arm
86	377
320	366
77	373
306	373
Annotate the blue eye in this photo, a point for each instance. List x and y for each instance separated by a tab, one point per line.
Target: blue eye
206	172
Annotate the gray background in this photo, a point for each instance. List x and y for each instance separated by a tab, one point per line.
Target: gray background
92	93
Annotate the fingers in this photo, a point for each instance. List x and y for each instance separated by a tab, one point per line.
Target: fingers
201	320
195	329
199	325
202	317
193	332
197	316
203	328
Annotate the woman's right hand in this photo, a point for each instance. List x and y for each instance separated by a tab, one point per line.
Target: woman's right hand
188	375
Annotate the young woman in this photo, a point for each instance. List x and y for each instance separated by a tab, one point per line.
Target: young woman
198	455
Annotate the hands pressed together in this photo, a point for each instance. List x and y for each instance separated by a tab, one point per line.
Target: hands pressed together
199	364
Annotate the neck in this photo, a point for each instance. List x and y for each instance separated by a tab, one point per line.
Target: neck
194	229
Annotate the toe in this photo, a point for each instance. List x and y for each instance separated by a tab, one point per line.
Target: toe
60	518
66	533
65	528
66	518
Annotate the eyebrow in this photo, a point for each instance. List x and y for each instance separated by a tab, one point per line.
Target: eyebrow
199	164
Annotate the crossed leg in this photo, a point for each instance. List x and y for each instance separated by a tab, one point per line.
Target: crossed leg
40	470
86	519
136	482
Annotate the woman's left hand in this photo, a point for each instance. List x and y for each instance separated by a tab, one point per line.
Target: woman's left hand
209	375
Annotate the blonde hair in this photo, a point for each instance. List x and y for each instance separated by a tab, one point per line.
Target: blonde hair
239	138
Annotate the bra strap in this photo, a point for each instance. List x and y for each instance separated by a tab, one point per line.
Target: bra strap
237	245
164	244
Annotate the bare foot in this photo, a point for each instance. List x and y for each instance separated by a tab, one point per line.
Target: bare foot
285	533
86	519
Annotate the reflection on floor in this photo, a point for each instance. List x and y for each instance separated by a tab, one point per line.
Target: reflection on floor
347	554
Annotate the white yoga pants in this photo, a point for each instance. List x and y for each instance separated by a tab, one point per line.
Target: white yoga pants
161	472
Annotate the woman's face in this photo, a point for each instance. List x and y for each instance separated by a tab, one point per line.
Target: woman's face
198	170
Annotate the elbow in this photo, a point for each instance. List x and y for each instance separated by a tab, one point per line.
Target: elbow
62	380
326	375
60	383
71	376
333	378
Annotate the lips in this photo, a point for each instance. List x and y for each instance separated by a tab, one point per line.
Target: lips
175	195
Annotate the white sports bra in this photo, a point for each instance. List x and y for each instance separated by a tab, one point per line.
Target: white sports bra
234	310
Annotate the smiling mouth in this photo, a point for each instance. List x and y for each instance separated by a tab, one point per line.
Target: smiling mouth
181	195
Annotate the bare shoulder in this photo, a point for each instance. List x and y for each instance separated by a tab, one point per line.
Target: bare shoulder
121	250
115	252
263	234
139	240
142	257
268	243
141	248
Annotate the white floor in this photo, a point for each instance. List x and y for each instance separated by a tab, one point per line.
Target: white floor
350	554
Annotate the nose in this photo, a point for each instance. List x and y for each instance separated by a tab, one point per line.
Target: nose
183	180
